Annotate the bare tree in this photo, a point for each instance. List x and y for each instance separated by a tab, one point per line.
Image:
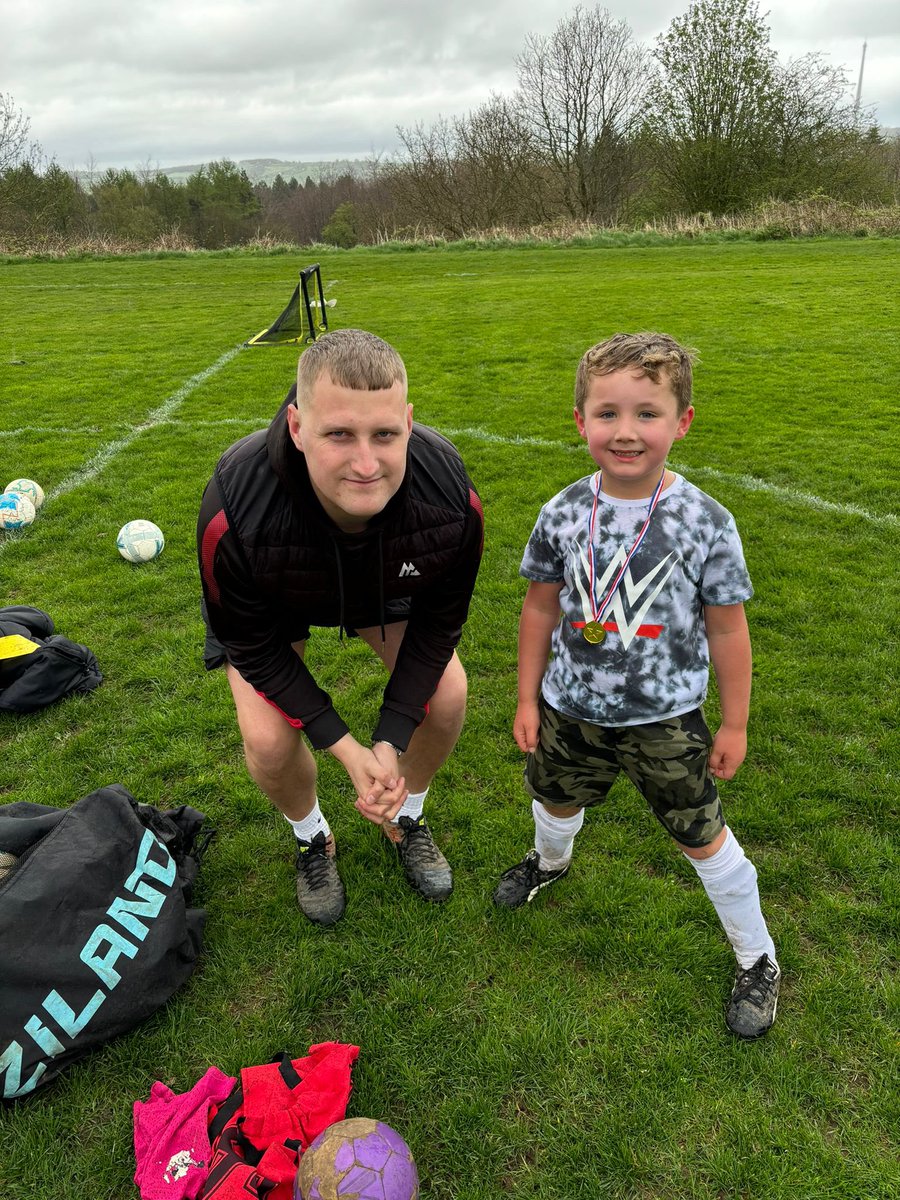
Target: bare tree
479	172
890	154
818	136
497	166
430	174
15	148
581	94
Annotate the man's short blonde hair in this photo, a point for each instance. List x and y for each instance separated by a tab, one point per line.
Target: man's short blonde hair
353	359
652	354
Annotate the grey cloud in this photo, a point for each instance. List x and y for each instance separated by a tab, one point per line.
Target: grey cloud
189	81
836	19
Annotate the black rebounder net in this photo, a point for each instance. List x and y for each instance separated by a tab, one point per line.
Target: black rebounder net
304	317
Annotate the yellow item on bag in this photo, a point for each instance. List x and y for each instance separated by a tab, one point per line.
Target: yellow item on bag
15	646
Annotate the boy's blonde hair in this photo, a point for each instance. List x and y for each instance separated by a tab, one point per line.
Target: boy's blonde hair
653	354
353	359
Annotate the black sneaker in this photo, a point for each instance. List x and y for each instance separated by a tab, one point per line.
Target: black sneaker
426	869
320	892
754	999
521	883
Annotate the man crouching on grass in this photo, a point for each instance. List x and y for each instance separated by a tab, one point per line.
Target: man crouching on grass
343	513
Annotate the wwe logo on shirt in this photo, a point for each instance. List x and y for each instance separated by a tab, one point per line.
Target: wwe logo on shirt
408	568
639	594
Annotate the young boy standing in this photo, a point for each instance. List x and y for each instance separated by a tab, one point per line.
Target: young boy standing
649	577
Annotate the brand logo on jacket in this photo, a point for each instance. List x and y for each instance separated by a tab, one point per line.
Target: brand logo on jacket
408	569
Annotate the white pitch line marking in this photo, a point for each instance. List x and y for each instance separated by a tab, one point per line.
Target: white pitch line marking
161	415
44	430
749	483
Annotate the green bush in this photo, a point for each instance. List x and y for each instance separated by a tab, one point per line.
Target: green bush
340	229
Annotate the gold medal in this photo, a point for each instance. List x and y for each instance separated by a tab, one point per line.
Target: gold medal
593	630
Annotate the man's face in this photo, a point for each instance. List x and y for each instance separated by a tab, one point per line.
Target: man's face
629	424
355	447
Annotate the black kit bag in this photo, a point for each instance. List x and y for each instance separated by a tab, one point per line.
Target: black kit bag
96	925
40	666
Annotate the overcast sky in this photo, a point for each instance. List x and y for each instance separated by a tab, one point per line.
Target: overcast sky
168	82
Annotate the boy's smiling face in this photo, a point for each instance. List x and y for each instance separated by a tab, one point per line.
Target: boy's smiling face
630	423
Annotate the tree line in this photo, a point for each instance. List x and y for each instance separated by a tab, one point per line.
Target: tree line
599	130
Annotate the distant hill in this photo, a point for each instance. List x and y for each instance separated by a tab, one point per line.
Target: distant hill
264	170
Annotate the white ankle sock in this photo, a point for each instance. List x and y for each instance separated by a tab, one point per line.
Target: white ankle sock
412	806
307	827
553	836
729	878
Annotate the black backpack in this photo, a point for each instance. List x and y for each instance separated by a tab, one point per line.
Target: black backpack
96	926
55	669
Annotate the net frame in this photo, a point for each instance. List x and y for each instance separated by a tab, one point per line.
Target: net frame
304	317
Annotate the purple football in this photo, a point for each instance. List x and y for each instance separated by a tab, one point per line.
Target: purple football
359	1159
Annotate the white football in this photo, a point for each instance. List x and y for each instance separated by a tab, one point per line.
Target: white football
27	487
139	541
16	510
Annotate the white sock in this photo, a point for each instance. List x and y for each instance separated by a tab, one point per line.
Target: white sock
554	836
307	827
729	878
412	806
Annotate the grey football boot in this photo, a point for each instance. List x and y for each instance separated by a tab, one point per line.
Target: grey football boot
426	869
320	892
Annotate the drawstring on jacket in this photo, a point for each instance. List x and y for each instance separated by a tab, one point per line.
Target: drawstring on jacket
340	570
381	587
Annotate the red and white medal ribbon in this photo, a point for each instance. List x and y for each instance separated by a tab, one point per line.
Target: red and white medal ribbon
654	500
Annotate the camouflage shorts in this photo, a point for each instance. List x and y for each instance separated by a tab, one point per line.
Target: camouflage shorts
576	763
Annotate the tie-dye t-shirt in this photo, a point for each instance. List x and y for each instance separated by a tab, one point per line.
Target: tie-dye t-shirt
654	660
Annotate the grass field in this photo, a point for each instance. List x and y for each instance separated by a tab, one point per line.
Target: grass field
575	1049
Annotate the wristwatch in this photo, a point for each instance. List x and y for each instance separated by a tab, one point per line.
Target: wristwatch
385	742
